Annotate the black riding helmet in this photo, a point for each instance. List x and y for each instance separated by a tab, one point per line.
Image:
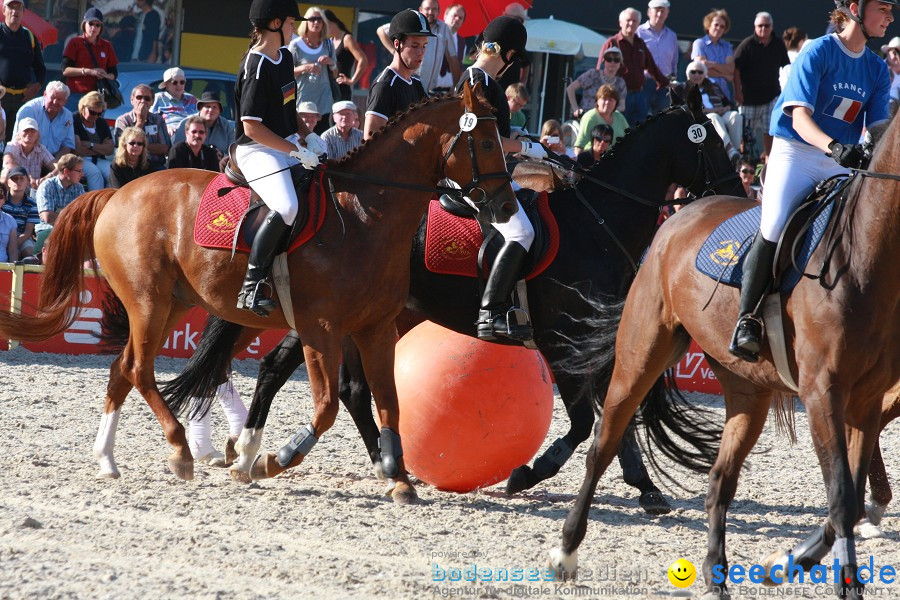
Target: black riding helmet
509	34
409	22
263	11
844	5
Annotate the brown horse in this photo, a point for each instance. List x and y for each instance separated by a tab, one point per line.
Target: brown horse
879	486
354	281
844	336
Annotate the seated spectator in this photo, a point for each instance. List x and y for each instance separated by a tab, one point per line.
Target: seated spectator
28	152
132	158
727	121
2	117
591	80
20	206
8	163
93	140
9	247
56	193
341	138
517	97
173	103
601	139
194	153
153	125
569	135
308	114
219	130
551	136
604	113
53	118
747	171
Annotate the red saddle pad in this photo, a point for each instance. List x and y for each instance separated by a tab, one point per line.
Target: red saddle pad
217	216
452	243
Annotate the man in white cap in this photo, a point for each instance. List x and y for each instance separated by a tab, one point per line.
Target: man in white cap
173	103
342	137
663	45
308	114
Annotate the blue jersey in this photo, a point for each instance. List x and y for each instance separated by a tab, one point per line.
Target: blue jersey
844	90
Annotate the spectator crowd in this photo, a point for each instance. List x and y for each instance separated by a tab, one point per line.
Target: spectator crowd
52	154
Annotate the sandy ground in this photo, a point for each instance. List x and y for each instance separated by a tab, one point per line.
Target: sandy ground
327	531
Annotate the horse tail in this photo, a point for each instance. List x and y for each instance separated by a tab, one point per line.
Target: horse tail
205	370
63	282
114	326
666	415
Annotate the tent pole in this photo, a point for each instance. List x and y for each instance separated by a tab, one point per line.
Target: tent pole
543	91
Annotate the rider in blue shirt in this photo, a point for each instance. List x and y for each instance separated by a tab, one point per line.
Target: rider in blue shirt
836	86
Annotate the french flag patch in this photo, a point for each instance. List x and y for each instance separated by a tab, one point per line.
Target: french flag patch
844	109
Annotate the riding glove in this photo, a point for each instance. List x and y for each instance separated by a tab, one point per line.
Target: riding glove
846	155
307	157
533	150
316	144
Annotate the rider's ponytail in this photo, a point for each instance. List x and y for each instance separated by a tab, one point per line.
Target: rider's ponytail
839	19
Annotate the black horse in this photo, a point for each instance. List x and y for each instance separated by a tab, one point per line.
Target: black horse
603	232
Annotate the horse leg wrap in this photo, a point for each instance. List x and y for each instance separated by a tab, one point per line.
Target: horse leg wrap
812	550
300	443
391	451
550	462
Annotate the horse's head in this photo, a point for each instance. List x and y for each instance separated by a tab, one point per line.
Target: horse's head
472	152
701	164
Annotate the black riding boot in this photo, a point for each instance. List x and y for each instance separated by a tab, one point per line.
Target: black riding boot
495	303
262	255
747	339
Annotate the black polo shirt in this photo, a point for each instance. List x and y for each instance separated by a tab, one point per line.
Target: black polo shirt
759	66
493	93
21	59
266	91
391	94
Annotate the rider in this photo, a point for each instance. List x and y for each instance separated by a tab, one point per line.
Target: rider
267	139
835	84
503	45
396	88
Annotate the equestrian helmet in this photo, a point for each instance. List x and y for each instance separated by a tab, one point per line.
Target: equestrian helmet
508	33
409	22
263	11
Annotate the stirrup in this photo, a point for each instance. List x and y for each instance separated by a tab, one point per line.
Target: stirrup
746	341
505	325
253	301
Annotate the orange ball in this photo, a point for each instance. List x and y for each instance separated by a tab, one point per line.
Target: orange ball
470	411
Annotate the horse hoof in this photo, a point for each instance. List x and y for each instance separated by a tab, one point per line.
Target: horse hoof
239	476
182	468
868	530
403	493
564	565
654	503
231	453
519	480
107	474
779	558
266	466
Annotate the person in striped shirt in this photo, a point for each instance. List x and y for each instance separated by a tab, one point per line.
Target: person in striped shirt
342	137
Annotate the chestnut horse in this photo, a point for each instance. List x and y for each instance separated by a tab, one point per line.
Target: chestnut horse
843	332
353	282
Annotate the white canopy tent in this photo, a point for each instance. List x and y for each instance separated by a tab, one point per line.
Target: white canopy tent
552	36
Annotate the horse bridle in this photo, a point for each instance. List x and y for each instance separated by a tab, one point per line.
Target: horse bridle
477	176
705	165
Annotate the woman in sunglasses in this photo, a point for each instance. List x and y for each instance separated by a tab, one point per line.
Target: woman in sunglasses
132	158
591	80
747	172
313	54
88	57
93	140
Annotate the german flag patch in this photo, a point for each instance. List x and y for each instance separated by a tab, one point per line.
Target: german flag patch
289	92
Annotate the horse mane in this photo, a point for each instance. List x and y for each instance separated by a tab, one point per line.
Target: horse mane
628	138
391	124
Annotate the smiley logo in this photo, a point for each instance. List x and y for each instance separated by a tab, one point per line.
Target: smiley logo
682	573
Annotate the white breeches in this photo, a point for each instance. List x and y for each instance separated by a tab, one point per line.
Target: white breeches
729	126
518	229
792	171
276	189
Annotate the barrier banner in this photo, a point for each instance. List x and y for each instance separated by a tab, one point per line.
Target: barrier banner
80	337
692	373
6	283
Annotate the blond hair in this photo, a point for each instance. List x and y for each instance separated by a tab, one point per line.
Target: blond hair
129	134
304	25
93	100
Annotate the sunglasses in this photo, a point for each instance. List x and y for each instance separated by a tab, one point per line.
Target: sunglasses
145	98
136	144
696	72
182	82
95	24
612	59
95	113
747	172
315	19
604	140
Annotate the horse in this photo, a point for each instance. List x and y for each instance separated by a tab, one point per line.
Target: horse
603	232
141	235
842	327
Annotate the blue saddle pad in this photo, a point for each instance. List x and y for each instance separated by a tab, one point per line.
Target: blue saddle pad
722	254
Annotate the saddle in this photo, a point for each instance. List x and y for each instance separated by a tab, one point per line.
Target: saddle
456	243
230	212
